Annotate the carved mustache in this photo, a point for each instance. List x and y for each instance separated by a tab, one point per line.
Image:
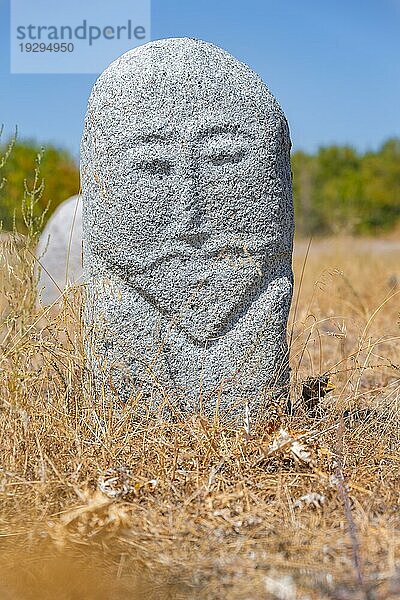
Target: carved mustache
256	250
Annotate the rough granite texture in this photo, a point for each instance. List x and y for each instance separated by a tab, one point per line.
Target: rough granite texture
60	250
188	230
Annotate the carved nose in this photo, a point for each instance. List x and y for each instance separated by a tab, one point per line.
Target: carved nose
188	194
190	226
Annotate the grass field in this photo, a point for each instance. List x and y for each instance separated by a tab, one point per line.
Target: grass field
306	507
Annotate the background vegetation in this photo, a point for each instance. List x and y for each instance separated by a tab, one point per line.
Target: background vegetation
57	170
339	190
336	190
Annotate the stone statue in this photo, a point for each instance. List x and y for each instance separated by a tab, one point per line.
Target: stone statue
188	231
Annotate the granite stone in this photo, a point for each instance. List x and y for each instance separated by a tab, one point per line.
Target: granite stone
60	250
188	231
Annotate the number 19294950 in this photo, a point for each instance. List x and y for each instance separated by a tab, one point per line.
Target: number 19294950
42	47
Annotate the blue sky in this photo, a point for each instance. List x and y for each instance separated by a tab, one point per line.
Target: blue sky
333	65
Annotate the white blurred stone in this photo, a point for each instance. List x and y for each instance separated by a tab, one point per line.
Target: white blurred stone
59	250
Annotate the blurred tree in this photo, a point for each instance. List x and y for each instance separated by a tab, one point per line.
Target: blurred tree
338	190
304	173
381	184
57	169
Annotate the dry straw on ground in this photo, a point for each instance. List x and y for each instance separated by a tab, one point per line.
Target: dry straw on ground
93	506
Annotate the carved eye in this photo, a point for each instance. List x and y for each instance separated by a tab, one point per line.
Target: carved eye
226	158
156	166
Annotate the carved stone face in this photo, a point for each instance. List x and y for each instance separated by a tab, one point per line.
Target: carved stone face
188	201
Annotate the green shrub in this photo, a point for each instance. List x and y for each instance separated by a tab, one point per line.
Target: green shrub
340	190
58	172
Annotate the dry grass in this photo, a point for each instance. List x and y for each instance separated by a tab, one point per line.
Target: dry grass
95	507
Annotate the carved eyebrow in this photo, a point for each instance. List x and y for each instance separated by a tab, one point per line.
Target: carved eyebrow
154	136
217	129
204	132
